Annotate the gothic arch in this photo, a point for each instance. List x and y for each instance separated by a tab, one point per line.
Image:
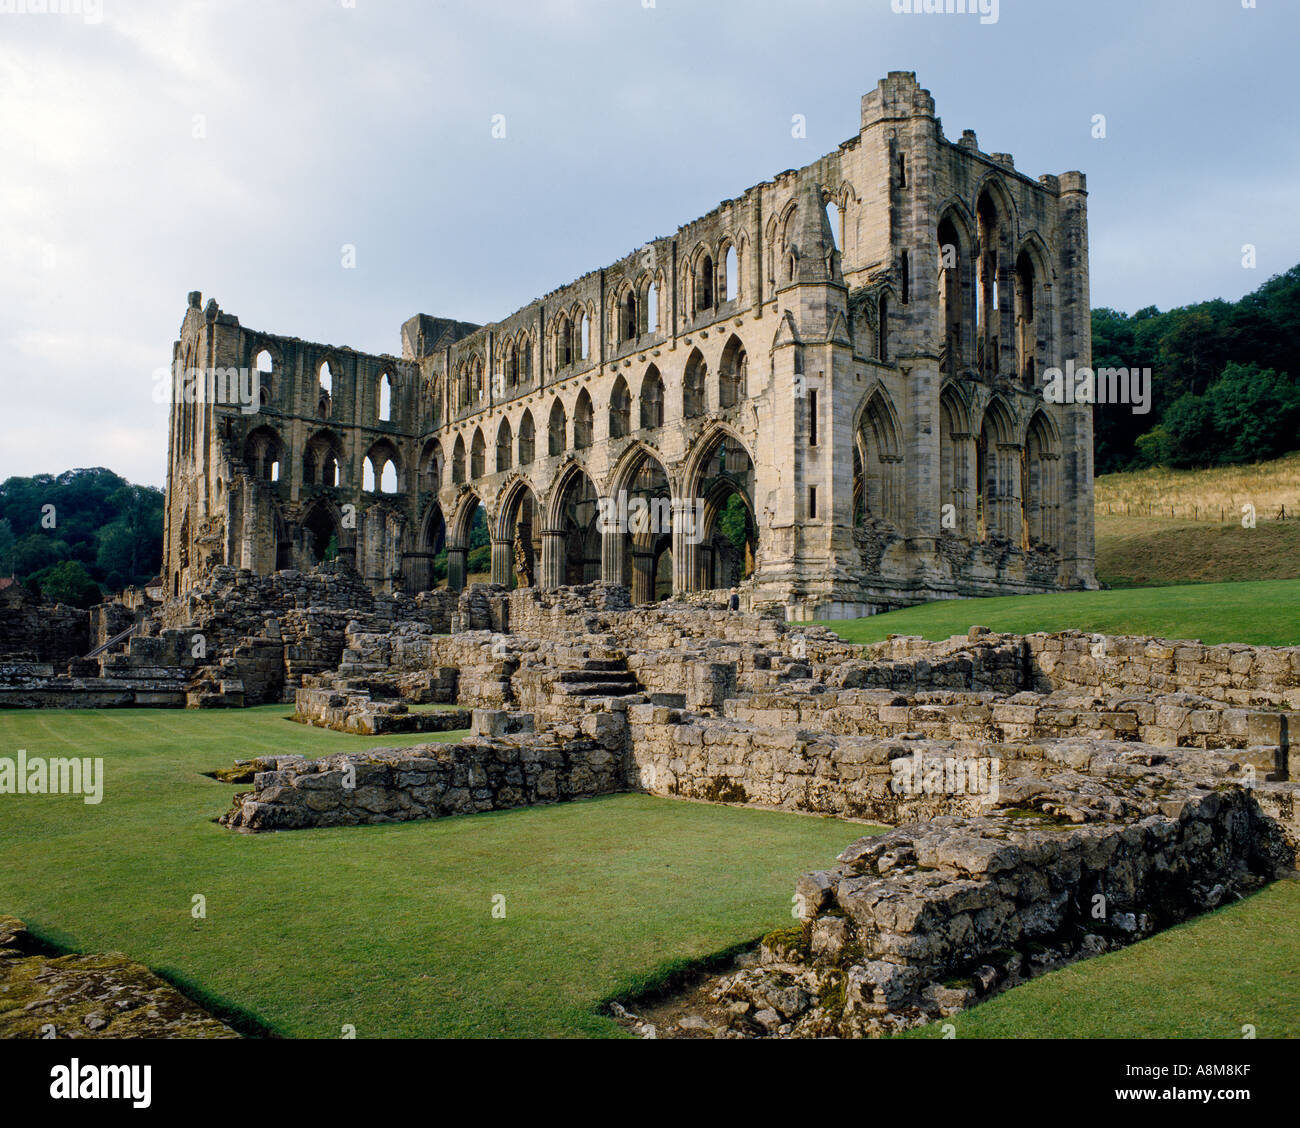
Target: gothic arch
516	490
264	454
321	525
718	466
956	462
1041	484
527	438
557	426
584	422
651	399
694	386
322	460
458	462
620	409
733	373
379	458
517	529
997	472
466	505
878	461
505	447
431	466
574	553
477	456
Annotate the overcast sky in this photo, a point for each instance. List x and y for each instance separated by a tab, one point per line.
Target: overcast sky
235	147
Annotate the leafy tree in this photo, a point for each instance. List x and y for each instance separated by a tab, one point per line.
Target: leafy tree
733	522
7	542
1230	358
1256	413
1192	439
69	583
94	517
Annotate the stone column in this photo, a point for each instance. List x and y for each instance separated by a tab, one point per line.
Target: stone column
685	555
704	567
1011	491
611	556
456	556
552	559
417	568
503	558
643	580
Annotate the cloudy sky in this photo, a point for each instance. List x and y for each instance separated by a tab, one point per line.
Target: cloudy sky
236	146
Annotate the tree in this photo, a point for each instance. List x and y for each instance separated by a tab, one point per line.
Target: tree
7	542
69	583
1256	413
1192	437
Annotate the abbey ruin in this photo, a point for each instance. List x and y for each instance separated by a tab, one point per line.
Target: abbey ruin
853	350
827	396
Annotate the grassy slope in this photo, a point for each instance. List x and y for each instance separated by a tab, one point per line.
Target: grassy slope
1136	551
1204	979
1184	526
1265	613
386	928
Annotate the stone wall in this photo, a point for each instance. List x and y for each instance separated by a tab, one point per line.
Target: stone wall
1241	675
931	917
43	632
435	780
355	710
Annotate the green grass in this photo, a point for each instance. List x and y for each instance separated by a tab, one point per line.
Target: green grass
389	928
1266	613
1206	978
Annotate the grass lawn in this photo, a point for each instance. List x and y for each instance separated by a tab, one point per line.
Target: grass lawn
1204	979
1263	613
390	928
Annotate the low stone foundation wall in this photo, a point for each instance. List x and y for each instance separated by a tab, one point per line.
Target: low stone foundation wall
933	916
435	780
1177	720
355	711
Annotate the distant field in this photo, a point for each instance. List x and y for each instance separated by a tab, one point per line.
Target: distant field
1265	613
1203	495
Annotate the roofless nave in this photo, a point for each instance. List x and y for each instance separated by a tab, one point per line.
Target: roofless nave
852	350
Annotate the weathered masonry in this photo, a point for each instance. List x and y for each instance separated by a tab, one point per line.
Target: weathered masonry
853	350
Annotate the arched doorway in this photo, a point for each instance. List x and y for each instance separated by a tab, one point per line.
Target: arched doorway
571	545
637	527
718	539
517	543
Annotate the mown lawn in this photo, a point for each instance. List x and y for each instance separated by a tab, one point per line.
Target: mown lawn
1264	613
1207	978
387	929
